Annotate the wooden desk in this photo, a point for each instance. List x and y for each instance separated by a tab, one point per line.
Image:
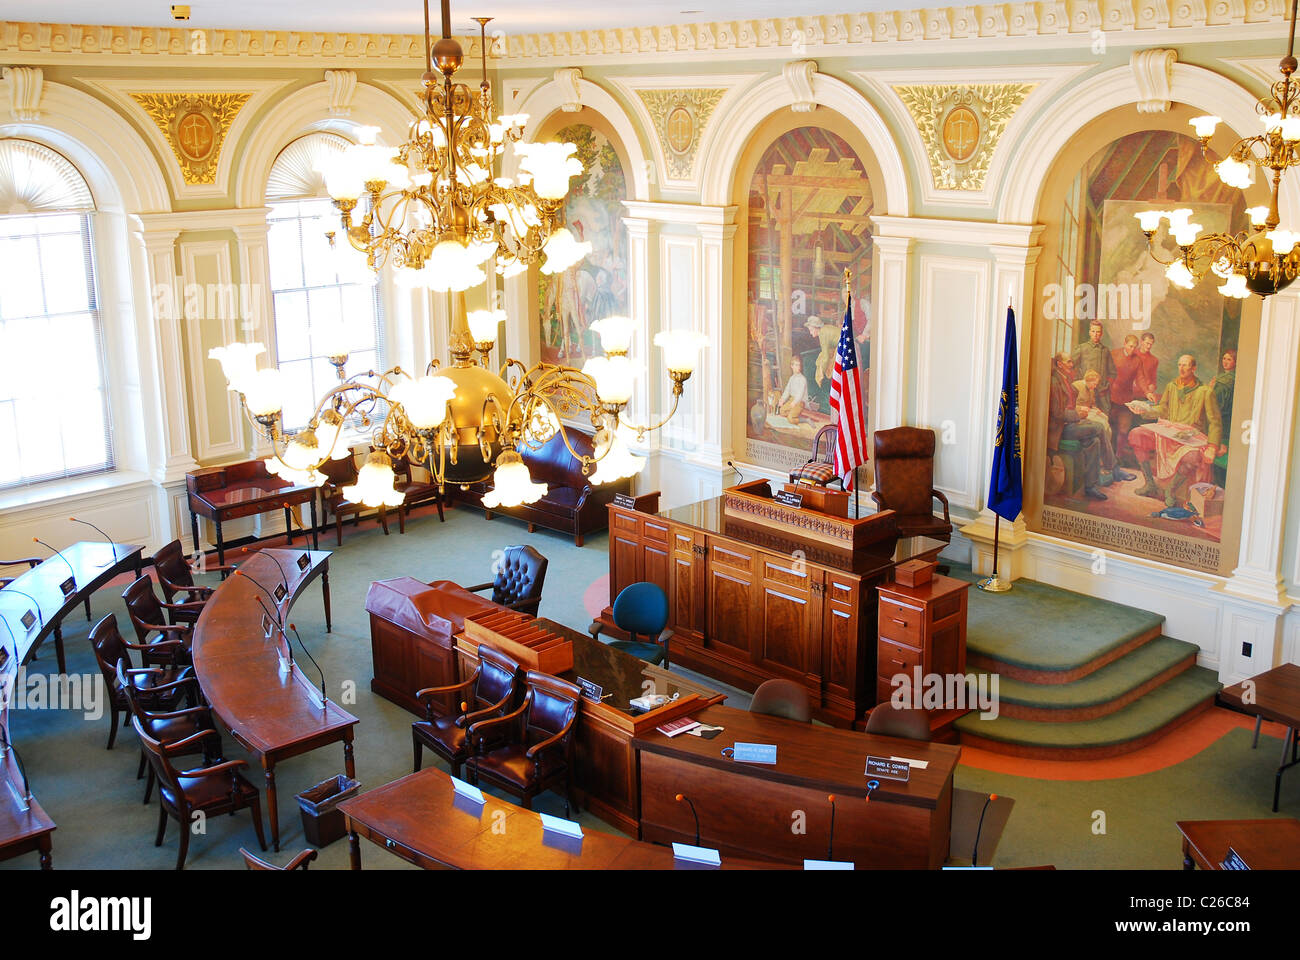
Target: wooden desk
748	603
748	809
420	819
92	565
274	717
1264	844
1275	695
24	826
243	490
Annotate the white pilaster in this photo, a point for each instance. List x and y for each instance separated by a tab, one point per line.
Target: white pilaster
889	369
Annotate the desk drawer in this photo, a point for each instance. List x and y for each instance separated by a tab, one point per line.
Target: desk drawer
900	622
892	658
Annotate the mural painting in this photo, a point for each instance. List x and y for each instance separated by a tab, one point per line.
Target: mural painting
810	204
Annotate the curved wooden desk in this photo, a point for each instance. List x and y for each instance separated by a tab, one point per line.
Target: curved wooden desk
272	716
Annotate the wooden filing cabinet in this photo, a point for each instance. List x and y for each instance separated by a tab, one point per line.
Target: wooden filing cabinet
922	627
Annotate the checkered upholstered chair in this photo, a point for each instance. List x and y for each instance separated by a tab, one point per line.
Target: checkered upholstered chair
821	468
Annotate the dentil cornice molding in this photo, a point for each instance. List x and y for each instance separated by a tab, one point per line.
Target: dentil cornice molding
1072	21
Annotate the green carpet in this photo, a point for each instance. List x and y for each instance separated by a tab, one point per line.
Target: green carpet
93	796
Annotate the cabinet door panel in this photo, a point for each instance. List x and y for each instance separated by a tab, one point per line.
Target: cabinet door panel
731	602
788	629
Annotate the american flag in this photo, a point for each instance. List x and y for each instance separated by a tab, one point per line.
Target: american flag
846	401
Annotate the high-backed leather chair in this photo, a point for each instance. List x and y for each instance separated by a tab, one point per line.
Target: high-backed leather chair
300	861
493	689
159	688
167	642
642	610
537	752
905	482
214	790
519	578
339	474
169	726
782	698
907	722
820	469
177	579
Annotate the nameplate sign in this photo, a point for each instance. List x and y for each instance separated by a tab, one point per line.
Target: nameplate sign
624	501
692	854
592	691
28	619
69	586
467	790
888	769
304	561
1233	861
788	499
266	625
565	828
280	591
4	656
828	865
755	752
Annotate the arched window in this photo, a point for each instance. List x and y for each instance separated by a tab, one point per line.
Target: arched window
55	419
312	298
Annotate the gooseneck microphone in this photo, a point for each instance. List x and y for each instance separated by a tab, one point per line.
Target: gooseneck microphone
974	854
18	760
241	573
39	617
323	696
101	533
830	840
682	798
872	787
284	577
278	625
739	476
61	556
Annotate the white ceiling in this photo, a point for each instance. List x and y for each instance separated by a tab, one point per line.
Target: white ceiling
406	16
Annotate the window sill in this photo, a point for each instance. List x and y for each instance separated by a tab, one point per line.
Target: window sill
47	493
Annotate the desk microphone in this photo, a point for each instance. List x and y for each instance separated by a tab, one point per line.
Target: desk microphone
323	697
974	853
241	573
830	840
61	556
683	798
22	769
872	787
39	617
284	577
101	533
293	518
279	626
739	476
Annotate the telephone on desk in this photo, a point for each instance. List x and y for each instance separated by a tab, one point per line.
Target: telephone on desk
652	700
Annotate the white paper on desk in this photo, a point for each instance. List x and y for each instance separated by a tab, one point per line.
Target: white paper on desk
467	790
568	828
917	764
684	851
828	865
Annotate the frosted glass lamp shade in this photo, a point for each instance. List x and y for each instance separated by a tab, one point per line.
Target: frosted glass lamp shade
1180	276
614	459
681	349
264	392
550	165
1205	125
1150	219
484	324
238	362
512	484
613	378
374	486
1235	287
615	333
425	400
562	251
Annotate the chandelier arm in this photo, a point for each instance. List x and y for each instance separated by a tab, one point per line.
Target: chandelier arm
642	431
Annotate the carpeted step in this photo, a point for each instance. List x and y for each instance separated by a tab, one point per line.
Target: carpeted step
1043	634
1141	722
1101	692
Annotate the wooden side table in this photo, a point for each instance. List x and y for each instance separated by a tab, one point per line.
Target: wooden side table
1270	844
922	627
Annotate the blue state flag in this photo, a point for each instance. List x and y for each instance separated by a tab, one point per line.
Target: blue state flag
1005	486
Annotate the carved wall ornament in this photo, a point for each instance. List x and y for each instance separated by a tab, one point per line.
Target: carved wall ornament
342	90
25	85
679	118
195	125
1153	70
960	126
799	74
567	78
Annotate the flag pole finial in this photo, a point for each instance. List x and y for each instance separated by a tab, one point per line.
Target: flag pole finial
848	280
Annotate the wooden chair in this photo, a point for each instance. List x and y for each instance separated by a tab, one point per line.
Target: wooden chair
494	689
906	722
782	698
300	861
820	468
153	627
158	688
537	752
519	578
212	790
168	726
342	473
905	482
415	492
176	578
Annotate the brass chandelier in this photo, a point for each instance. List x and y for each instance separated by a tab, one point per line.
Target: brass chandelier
1264	259
436	214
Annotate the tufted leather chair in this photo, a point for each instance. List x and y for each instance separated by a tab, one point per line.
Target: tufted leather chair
167	642
214	790
571	503
782	698
641	609
164	722
905	482
158	688
887	720
493	689
519	579
536	753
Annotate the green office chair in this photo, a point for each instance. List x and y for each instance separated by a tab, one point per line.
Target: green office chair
642	610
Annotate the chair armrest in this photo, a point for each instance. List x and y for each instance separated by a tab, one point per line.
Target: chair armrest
880	501
525	605
469	719
30	561
163	687
551	741
301	860
195	606
216	770
426	695
595	629
168	627
178	714
153	647
481	586
478	729
944	500
180	746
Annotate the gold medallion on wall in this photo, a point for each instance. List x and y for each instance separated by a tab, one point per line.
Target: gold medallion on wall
960	126
195	125
679	118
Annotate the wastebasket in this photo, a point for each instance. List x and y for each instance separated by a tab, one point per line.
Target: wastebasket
322	820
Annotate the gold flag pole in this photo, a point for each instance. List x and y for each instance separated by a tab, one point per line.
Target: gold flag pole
995	584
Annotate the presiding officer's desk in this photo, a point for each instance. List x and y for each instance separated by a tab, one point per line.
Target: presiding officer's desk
781	810
274	716
421	819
